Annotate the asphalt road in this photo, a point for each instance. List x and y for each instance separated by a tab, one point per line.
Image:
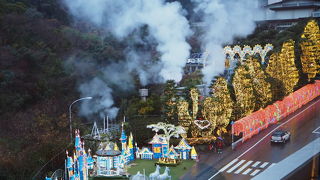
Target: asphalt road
257	154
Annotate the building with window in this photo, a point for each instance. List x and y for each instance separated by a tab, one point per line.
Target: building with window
285	13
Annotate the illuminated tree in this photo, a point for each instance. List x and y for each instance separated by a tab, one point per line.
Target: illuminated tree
310	47
169	130
184	117
169	99
195	101
262	88
282	66
242	84
223	101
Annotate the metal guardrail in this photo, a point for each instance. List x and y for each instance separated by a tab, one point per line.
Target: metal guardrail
56	162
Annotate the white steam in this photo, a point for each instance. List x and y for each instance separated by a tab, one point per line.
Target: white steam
102	103
223	21
165	21
167	28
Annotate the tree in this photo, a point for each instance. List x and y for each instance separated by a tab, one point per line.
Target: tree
261	87
169	102
184	117
310	46
168	129
282	67
243	87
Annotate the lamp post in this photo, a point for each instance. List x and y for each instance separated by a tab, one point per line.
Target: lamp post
232	131
85	98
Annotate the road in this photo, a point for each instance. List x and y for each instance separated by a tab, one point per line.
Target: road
257	154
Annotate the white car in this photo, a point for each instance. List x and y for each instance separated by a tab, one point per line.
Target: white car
280	136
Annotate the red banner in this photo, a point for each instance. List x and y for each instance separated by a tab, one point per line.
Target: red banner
255	122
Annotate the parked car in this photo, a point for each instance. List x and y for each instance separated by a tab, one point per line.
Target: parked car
280	136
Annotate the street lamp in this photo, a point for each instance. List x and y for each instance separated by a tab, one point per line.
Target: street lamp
85	98
232	131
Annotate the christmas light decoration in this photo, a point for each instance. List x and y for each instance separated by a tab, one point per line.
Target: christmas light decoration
261	119
195	101
243	88
184	117
260	85
310	46
282	66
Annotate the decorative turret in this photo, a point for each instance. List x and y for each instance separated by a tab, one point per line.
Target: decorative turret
131	148
194	154
77	140
123	140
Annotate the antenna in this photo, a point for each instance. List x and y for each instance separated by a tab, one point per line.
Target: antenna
104	124
107	123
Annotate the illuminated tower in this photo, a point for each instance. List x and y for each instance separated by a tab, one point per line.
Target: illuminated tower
131	148
123	140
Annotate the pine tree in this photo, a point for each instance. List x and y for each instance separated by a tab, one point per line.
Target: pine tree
184	117
262	88
310	46
170	105
195	101
242	84
282	67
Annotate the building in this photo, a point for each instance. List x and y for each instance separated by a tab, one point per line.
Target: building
196	62
108	159
159	146
144	153
285	13
183	149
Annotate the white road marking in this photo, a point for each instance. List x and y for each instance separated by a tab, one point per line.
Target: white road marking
255	172
264	165
267	136
247	171
236	166
243	167
272	165
228	165
255	164
315	131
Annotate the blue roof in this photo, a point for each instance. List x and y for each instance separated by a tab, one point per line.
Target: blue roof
123	135
69	162
77	141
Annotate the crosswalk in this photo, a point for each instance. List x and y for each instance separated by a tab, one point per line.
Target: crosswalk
246	167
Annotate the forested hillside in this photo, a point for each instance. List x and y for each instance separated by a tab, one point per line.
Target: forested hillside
36	85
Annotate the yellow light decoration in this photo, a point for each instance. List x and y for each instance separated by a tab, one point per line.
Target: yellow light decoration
195	101
310	57
282	66
184	117
243	88
260	85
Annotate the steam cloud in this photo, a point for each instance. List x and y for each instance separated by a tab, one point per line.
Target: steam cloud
168	29
223	21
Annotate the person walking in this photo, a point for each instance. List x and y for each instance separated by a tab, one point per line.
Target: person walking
219	146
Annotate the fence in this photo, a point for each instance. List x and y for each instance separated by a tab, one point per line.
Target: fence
254	123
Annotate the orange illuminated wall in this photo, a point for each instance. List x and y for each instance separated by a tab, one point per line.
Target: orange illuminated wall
255	122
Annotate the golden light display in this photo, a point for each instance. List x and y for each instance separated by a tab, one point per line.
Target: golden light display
260	85
310	57
243	88
282	66
184	117
195	101
223	102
